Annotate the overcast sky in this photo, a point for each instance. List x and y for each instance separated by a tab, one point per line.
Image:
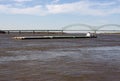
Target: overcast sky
55	14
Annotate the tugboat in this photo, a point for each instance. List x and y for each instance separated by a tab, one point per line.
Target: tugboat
91	35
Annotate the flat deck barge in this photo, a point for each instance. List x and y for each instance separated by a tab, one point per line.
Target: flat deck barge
51	37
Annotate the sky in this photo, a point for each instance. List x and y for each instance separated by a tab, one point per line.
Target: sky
55	14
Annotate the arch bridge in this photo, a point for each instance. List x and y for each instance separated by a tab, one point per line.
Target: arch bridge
91	28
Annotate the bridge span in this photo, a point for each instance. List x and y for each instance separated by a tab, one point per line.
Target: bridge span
79	28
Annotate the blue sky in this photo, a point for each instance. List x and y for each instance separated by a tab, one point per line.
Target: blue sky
55	14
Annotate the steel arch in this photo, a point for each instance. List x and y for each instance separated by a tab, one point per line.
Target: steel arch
103	26
72	25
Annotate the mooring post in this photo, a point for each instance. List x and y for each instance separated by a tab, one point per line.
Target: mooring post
47	31
61	31
33	31
19	31
8	32
95	31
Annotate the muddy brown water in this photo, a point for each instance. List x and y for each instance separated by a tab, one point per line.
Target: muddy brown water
96	59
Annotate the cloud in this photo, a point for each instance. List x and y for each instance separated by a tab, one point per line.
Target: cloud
55	1
30	10
16	0
36	10
3	9
84	7
19	1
